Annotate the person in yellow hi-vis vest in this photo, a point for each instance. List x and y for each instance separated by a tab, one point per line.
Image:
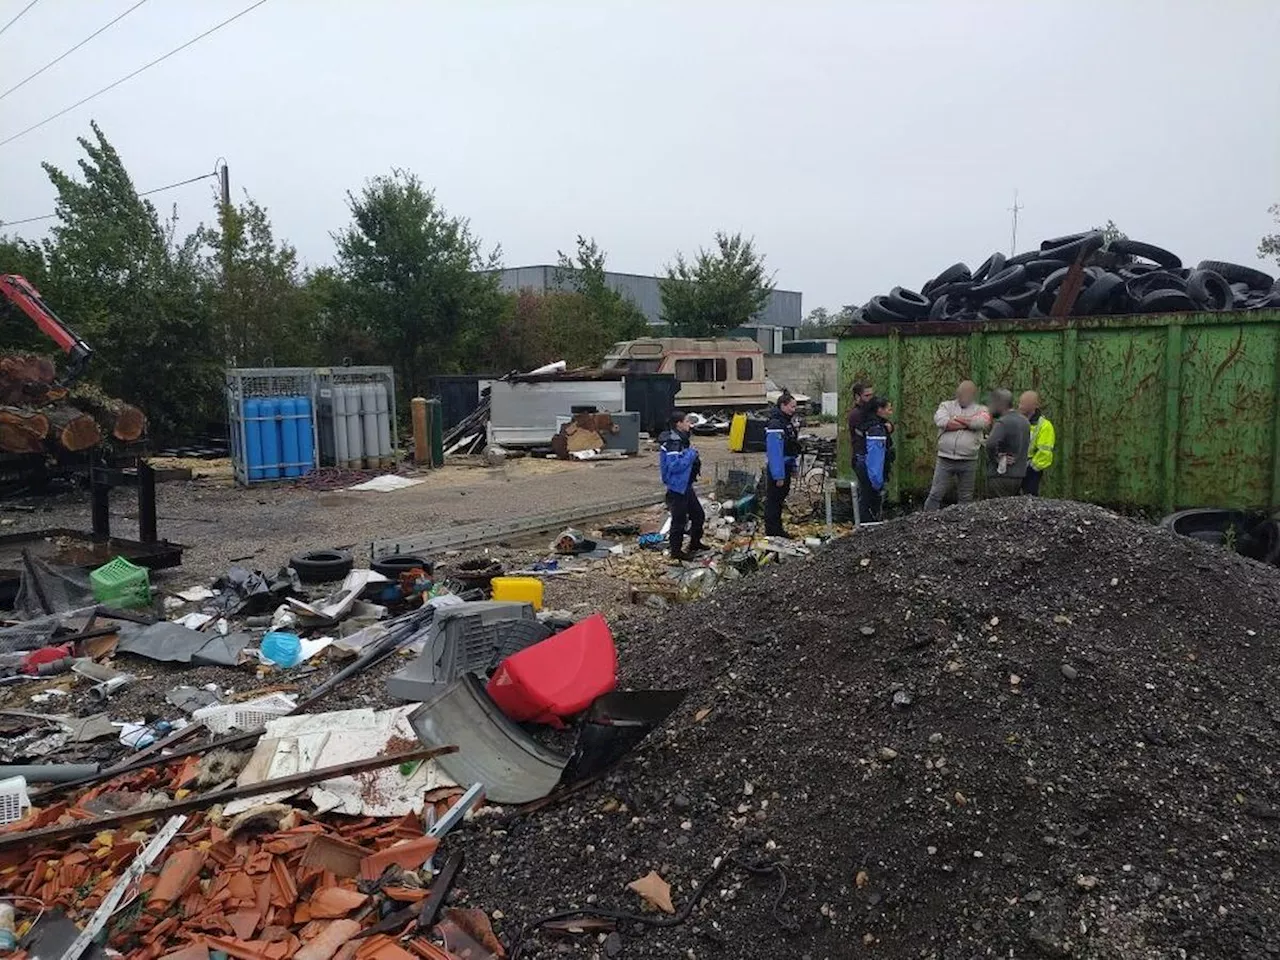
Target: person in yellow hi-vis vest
1040	453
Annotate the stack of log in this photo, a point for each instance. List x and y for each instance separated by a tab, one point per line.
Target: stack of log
37	415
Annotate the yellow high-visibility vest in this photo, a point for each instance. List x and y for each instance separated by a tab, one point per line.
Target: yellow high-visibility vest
1042	438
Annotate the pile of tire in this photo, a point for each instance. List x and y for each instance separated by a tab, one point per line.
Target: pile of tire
1120	277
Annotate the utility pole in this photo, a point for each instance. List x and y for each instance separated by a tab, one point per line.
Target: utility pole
224	189
1013	240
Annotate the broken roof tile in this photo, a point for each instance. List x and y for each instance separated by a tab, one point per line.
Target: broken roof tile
334	902
179	871
411	854
329	941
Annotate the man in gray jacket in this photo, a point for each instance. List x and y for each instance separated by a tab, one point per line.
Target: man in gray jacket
1007	447
961	423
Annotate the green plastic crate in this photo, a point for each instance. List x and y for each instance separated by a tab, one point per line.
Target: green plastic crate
121	584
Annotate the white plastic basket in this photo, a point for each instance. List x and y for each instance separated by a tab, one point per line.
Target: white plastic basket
14	803
250	715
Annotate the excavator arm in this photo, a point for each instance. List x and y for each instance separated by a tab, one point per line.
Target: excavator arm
27	298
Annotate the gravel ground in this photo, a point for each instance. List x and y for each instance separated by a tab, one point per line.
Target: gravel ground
1026	728
219	522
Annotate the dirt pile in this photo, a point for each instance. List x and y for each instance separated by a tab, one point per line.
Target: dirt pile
1026	728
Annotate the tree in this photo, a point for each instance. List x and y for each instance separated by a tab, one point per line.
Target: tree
1269	246
262	311
123	279
1111	232
609	316
412	281
721	289
821	324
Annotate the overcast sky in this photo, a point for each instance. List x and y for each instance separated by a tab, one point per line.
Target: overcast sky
862	144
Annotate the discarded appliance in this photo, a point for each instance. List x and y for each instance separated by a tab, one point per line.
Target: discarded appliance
558	677
514	767
467	638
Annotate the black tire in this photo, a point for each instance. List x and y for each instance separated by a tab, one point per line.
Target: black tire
1006	279
996	310
1166	301
1098	299
391	567
322	566
1210	290
1039	269
1022	259
957	290
990	267
1235	273
1148	251
1139	287
1070	248
938	312
1022	297
908	303
1049	290
1131	270
878	311
957	271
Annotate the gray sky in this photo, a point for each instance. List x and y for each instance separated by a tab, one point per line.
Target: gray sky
862	144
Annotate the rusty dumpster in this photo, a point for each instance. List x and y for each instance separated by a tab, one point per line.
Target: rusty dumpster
1156	411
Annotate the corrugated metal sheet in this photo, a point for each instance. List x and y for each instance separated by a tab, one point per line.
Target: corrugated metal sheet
1153	411
782	310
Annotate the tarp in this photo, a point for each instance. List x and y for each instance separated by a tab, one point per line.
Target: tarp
173	643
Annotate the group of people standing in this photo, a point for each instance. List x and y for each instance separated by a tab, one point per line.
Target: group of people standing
679	466
1015	442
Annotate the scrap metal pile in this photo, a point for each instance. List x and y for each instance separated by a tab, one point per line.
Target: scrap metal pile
37	415
1026	728
1120	277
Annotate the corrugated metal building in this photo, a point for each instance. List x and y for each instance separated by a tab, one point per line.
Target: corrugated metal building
783	309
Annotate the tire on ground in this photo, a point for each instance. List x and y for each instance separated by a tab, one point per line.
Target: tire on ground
391	567
321	566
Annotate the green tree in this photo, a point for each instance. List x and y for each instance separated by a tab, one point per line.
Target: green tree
608	316
720	289
1111	232
411	280
262	311
1269	246
123	279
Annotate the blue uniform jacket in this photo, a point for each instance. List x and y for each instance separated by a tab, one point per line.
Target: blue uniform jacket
677	461
781	444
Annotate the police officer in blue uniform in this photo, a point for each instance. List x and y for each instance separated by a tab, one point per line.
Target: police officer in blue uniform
782	447
679	465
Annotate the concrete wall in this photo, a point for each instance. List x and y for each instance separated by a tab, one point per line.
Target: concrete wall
800	372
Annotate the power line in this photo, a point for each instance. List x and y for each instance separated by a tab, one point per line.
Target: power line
145	193
57	60
19	16
130	76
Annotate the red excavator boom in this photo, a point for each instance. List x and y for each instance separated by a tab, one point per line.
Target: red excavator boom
27	298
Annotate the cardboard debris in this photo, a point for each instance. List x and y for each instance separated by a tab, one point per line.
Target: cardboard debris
308	742
654	891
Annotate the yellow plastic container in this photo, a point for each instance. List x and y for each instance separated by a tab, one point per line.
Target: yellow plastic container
518	590
737	432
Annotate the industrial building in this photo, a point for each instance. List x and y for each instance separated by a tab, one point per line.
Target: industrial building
775	324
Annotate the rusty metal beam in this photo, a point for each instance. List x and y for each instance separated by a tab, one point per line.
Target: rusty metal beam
192	804
1070	289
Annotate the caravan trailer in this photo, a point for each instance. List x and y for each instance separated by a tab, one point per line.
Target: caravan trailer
724	373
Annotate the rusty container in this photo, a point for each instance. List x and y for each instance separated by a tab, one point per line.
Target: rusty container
1158	412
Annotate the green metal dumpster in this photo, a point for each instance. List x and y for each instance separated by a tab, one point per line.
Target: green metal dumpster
1160	412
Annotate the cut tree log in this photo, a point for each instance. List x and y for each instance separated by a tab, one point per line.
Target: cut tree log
27	380
125	421
15	439
32	422
72	429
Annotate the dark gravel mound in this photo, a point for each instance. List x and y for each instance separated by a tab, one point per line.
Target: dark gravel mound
1024	728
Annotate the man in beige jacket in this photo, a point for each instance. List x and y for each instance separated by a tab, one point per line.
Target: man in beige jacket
961	423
